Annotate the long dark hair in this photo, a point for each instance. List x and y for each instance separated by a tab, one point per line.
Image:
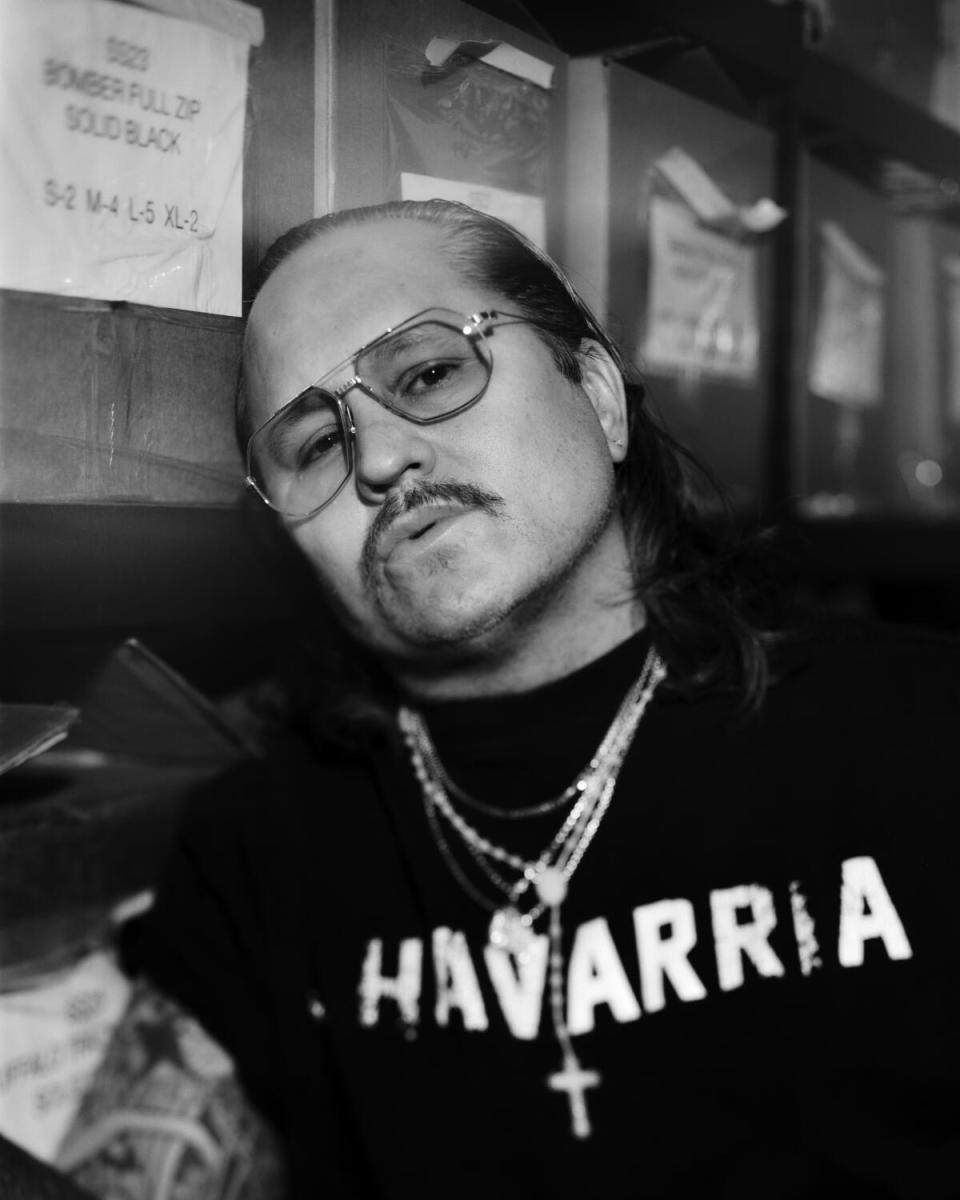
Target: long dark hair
687	558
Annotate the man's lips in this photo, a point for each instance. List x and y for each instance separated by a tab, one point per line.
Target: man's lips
409	522
412	526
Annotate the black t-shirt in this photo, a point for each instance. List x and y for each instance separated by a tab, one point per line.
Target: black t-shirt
760	944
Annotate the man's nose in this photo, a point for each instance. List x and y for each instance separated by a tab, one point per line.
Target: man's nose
387	447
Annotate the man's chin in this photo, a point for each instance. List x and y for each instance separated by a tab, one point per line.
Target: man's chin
433	628
436	633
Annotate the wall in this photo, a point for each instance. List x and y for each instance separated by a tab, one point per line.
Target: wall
121	508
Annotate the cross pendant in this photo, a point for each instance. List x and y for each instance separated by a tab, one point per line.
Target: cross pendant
574	1081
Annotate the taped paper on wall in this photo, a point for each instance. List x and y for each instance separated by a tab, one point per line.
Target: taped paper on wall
55	1035
465	120
121	140
712	205
847	355
702	298
501	55
526	213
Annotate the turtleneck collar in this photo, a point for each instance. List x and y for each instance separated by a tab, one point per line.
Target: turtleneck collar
542	737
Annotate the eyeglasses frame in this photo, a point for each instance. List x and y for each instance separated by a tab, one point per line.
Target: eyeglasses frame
477	327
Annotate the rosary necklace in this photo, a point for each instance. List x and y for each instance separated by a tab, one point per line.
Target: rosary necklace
514	912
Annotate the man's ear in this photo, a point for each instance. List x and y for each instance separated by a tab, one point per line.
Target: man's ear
602	382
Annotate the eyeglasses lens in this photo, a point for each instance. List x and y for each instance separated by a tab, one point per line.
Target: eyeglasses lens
301	457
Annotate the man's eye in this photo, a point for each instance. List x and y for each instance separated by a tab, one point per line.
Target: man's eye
427	378
318	447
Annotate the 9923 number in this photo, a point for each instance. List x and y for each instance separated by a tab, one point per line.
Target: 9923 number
128	54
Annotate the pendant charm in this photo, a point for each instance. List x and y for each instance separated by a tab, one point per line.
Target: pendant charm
574	1080
551	886
509	931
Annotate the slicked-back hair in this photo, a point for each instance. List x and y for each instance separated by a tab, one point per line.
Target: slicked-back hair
684	549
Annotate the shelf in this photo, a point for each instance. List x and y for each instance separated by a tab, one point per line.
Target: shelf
868	131
846	118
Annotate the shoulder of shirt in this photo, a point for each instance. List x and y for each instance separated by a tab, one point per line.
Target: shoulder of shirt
851	641
849	655
292	769
865	664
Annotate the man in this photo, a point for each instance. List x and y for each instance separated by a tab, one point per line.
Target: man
553	888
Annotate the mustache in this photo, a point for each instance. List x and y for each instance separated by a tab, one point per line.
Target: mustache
420	495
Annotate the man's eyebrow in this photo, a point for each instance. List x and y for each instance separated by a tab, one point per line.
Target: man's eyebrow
396	344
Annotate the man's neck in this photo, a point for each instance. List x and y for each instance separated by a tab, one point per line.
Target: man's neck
531	655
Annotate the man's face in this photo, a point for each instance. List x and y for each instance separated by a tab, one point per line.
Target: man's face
449	540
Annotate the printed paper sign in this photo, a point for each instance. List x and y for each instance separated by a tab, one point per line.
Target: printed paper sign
526	213
121	139
702	300
847	354
54	1037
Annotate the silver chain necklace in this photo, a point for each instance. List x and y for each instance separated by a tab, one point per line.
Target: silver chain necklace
549	874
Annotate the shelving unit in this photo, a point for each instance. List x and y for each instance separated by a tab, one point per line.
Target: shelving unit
757	61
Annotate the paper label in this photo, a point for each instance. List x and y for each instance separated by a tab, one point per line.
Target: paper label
847	354
52	1039
526	213
121	139
235	17
702	300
